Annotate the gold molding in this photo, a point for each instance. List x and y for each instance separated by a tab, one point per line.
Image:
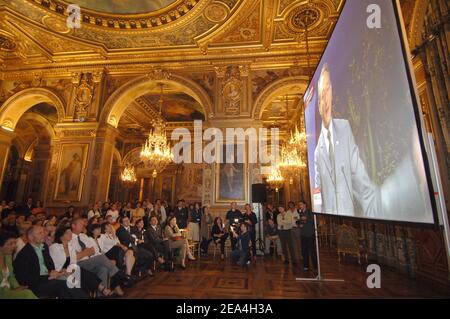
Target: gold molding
164	16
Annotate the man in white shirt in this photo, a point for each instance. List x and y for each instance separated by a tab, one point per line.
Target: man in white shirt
284	221
86	257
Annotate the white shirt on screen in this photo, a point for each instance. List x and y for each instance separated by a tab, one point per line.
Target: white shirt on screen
325	134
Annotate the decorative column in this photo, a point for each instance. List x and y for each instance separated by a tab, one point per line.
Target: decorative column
6	138
103	158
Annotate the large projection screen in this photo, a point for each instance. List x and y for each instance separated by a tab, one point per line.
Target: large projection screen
361	102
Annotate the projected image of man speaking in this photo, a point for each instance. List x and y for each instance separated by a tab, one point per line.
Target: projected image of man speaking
364	151
339	171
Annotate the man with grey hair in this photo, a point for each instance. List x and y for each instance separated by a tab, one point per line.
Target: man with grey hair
340	173
34	268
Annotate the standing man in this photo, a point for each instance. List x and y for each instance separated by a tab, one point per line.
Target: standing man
162	210
251	220
181	214
285	220
308	238
28	207
232	219
271	213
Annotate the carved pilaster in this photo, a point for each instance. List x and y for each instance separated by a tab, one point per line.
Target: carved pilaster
102	164
6	138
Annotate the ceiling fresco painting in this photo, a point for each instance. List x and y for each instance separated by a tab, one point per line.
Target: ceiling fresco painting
123	6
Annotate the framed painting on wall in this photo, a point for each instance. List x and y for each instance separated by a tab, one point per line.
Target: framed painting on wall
231	179
71	172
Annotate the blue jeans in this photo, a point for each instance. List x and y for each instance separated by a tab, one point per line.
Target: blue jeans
240	257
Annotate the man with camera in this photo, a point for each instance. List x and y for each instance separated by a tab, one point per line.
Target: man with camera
233	219
241	254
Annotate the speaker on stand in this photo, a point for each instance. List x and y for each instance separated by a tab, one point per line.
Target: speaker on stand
259	196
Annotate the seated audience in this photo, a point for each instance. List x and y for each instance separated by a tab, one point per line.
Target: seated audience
33	267
9	287
144	258
96	263
93	221
160	245
22	239
127	211
64	254
110	245
49	230
70	212
7	209
113	212
94	211
37	208
20	218
219	235
2	205
9	223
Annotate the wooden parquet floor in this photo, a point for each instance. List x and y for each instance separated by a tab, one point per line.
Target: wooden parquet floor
271	279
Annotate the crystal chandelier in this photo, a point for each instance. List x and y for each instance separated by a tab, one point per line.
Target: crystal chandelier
298	139
275	179
291	161
156	152
128	174
292	153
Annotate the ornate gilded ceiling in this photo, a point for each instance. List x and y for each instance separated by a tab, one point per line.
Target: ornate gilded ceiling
124	6
34	32
256	47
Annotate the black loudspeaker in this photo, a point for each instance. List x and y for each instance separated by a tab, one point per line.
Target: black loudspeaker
259	194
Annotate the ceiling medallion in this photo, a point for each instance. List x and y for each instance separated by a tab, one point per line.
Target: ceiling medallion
216	12
153	19
303	17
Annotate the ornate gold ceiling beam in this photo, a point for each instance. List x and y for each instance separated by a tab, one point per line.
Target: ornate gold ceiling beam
270	12
21	33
